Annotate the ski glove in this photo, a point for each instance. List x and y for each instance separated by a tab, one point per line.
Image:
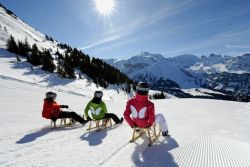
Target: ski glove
64	106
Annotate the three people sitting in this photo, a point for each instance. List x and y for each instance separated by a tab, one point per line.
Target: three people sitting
139	112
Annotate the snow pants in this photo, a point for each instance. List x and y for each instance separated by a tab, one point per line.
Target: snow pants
160	119
112	116
73	115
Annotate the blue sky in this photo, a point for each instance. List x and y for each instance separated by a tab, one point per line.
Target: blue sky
168	27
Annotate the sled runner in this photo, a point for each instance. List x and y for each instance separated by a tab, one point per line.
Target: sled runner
100	124
63	122
152	134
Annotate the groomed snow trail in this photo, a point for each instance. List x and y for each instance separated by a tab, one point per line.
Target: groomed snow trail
213	151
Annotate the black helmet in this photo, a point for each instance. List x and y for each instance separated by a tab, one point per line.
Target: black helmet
51	95
142	88
98	94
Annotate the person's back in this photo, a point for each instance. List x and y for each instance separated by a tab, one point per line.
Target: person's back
140	112
52	110
50	107
97	109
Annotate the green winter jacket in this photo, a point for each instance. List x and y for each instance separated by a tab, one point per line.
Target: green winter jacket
97	111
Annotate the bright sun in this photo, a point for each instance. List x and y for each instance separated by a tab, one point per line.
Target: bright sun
105	7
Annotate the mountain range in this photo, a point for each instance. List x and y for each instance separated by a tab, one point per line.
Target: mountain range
223	73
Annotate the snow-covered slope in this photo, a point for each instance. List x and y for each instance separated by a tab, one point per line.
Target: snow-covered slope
219	64
12	25
32	75
152	67
200	92
203	132
184	61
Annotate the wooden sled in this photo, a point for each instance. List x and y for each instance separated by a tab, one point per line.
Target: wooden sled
63	122
100	124
152	134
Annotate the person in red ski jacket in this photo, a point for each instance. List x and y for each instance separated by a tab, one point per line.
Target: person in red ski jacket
52	110
140	112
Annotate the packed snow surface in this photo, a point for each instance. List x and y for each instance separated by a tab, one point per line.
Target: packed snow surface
203	132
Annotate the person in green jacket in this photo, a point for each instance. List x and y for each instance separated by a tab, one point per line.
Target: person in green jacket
98	110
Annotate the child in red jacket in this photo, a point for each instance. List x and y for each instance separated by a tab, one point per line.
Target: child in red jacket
142	111
52	110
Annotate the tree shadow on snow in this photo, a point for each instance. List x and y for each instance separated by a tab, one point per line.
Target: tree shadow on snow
51	79
42	132
156	155
94	138
5	53
54	80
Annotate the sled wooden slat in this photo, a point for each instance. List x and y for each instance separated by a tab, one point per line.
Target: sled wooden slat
99	124
150	133
63	122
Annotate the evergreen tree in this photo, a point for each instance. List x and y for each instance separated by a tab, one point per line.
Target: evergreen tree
60	69
46	37
21	50
11	45
68	67
26	46
47	63
60	56
35	57
76	58
159	95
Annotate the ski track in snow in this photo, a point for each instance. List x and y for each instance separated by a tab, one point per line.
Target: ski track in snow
213	151
115	152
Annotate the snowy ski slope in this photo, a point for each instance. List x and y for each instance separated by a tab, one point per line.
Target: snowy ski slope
203	132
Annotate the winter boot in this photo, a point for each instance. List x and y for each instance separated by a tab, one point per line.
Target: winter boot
165	134
121	120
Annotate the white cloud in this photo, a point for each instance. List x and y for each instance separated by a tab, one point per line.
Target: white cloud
237	46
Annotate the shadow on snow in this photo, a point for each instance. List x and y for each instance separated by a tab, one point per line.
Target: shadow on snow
156	155
44	131
51	78
93	137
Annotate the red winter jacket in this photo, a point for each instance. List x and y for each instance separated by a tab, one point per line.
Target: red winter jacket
140	111
50	109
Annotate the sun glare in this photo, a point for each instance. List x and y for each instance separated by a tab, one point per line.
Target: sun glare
105	7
